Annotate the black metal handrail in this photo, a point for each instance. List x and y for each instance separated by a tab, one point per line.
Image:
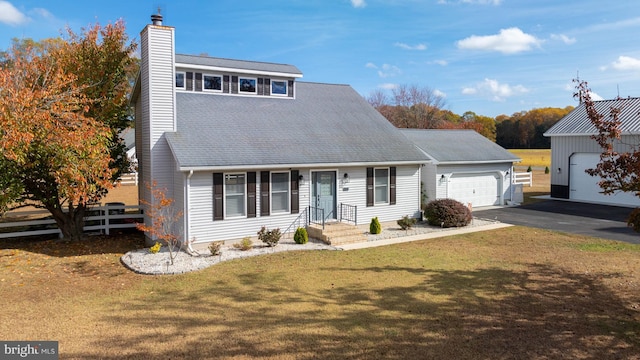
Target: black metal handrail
349	213
316	216
300	221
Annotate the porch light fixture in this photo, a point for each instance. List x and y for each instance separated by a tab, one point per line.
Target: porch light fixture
301	179
559	170
442	178
345	178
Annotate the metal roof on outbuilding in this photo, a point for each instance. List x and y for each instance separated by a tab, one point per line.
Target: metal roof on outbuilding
324	124
458	146
576	122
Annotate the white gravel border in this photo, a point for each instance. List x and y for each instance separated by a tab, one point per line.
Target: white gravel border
142	261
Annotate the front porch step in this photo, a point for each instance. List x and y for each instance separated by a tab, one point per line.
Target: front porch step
336	233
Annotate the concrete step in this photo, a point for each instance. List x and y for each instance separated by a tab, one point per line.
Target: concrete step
337	233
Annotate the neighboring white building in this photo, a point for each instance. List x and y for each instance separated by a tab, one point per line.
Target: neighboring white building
573	151
465	166
240	144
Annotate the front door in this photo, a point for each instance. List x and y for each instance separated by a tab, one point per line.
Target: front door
323	192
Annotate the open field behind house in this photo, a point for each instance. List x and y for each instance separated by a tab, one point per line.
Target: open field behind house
536	158
509	293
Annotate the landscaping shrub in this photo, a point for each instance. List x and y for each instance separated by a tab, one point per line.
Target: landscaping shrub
447	213
375	227
214	247
301	236
406	222
529	169
546	169
155	248
634	220
269	237
244	245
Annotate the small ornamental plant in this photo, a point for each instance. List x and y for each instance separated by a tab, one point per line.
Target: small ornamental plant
244	245
546	169
406	222
269	237
301	236
375	227
529	169
155	248
214	247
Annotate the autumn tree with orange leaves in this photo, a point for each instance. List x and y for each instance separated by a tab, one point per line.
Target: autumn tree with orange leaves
618	170
62	105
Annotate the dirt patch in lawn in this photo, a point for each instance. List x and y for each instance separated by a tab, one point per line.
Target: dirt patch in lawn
502	294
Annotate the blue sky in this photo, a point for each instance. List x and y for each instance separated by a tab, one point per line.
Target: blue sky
491	57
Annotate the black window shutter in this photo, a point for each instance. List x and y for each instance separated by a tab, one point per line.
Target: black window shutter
290	88
261	86
264	193
295	198
251	194
189	81
198	81
225	86
234	84
218	200
392	185
369	186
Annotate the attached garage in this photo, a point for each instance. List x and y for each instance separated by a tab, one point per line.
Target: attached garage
573	151
476	189
465	166
584	187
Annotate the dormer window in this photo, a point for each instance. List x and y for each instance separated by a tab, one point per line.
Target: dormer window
279	87
212	82
180	80
247	85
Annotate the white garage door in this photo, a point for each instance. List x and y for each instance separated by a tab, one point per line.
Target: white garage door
584	187
477	189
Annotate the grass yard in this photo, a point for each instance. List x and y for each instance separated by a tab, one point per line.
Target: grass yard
533	157
509	293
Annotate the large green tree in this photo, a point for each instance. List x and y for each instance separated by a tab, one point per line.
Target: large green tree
63	103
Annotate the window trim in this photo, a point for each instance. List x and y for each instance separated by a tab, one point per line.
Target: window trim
388	186
244	195
286	87
255	85
288	191
184	80
204	89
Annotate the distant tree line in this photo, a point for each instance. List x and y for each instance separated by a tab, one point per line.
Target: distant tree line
423	108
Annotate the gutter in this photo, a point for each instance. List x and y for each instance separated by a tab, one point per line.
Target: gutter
303	165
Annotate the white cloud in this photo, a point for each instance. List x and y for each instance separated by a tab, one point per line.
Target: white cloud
358	3
626	63
439	93
385	70
439	62
493	90
564	38
409	47
596	97
10	15
508	41
388	86
479	2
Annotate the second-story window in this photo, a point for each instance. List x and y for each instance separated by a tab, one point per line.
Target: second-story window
212	82
247	85
180	80
279	87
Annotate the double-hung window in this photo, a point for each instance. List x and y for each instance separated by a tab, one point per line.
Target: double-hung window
381	185
235	195
280	192
247	85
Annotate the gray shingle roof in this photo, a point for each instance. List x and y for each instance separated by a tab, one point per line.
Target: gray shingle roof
577	123
238	64
458	146
324	124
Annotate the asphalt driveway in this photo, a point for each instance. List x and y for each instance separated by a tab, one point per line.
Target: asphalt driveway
608	222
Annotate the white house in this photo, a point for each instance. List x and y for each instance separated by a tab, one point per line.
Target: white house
241	144
573	151
465	166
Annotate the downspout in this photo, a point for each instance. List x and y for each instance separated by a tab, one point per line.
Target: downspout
186	213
